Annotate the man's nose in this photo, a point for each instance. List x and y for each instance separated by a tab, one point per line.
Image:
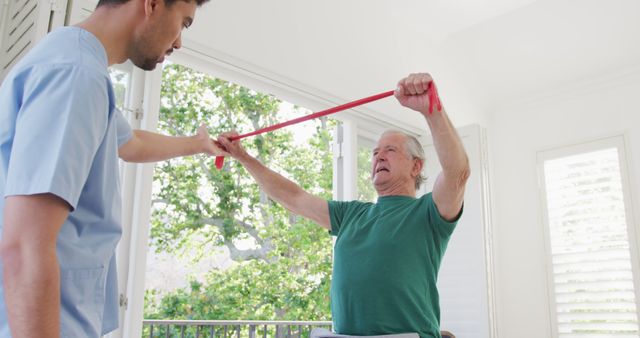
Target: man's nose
178	43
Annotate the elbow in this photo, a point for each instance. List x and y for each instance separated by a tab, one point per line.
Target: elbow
11	257
127	157
462	176
20	256
129	152
294	200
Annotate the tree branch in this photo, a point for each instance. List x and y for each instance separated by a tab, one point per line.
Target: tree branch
240	255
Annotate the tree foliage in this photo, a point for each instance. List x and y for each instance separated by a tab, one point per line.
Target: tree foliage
285	272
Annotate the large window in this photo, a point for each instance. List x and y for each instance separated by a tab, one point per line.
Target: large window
219	248
588	224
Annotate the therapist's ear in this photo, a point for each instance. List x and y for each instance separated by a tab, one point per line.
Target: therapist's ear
150	6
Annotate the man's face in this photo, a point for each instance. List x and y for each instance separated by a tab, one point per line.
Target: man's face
161	33
391	165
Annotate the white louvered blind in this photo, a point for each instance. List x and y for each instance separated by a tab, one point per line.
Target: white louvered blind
592	274
18	31
23	24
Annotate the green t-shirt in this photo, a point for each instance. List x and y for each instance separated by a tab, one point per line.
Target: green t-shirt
386	261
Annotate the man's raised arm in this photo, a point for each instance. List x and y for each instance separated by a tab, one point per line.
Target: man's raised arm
448	190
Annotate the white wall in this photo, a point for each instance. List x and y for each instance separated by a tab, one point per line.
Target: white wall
345	50
600	108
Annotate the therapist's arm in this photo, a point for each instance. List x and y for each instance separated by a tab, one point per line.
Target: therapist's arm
145	146
31	275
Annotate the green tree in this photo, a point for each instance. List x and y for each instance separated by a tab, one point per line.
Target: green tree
286	273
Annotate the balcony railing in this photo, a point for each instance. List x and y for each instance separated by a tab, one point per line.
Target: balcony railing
229	328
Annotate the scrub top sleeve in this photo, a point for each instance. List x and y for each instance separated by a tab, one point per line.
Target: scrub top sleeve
125	133
61	123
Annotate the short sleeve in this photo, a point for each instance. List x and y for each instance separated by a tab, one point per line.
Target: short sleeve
337	212
61	124
440	226
123	128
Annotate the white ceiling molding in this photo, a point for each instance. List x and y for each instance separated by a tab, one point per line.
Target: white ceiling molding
571	90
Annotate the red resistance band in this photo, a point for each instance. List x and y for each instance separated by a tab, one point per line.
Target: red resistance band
434	100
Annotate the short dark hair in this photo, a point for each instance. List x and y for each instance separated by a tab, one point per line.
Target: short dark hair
167	3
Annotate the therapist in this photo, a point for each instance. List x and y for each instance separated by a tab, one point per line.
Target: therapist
60	138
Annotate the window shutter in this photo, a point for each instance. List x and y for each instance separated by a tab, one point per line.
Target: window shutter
592	275
23	24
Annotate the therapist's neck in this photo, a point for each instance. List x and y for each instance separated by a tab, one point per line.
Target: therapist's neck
114	27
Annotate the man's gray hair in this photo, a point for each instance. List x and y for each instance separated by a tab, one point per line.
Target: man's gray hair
414	149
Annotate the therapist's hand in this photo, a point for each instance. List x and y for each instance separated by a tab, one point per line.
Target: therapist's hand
208	145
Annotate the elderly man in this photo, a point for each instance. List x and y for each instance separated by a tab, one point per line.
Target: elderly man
387	254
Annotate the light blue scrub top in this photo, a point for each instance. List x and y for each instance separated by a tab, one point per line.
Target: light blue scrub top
59	134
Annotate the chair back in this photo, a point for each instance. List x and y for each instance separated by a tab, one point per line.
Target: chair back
447	334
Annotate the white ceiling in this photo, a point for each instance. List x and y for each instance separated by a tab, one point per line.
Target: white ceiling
482	53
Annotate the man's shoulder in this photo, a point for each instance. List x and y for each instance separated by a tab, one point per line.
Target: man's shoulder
65	48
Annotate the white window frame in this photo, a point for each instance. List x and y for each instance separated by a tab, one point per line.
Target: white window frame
616	141
132	178
136	197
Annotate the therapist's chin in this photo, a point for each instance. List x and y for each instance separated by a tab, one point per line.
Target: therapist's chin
149	63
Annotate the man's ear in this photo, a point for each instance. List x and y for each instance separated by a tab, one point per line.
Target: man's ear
150	6
417	167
